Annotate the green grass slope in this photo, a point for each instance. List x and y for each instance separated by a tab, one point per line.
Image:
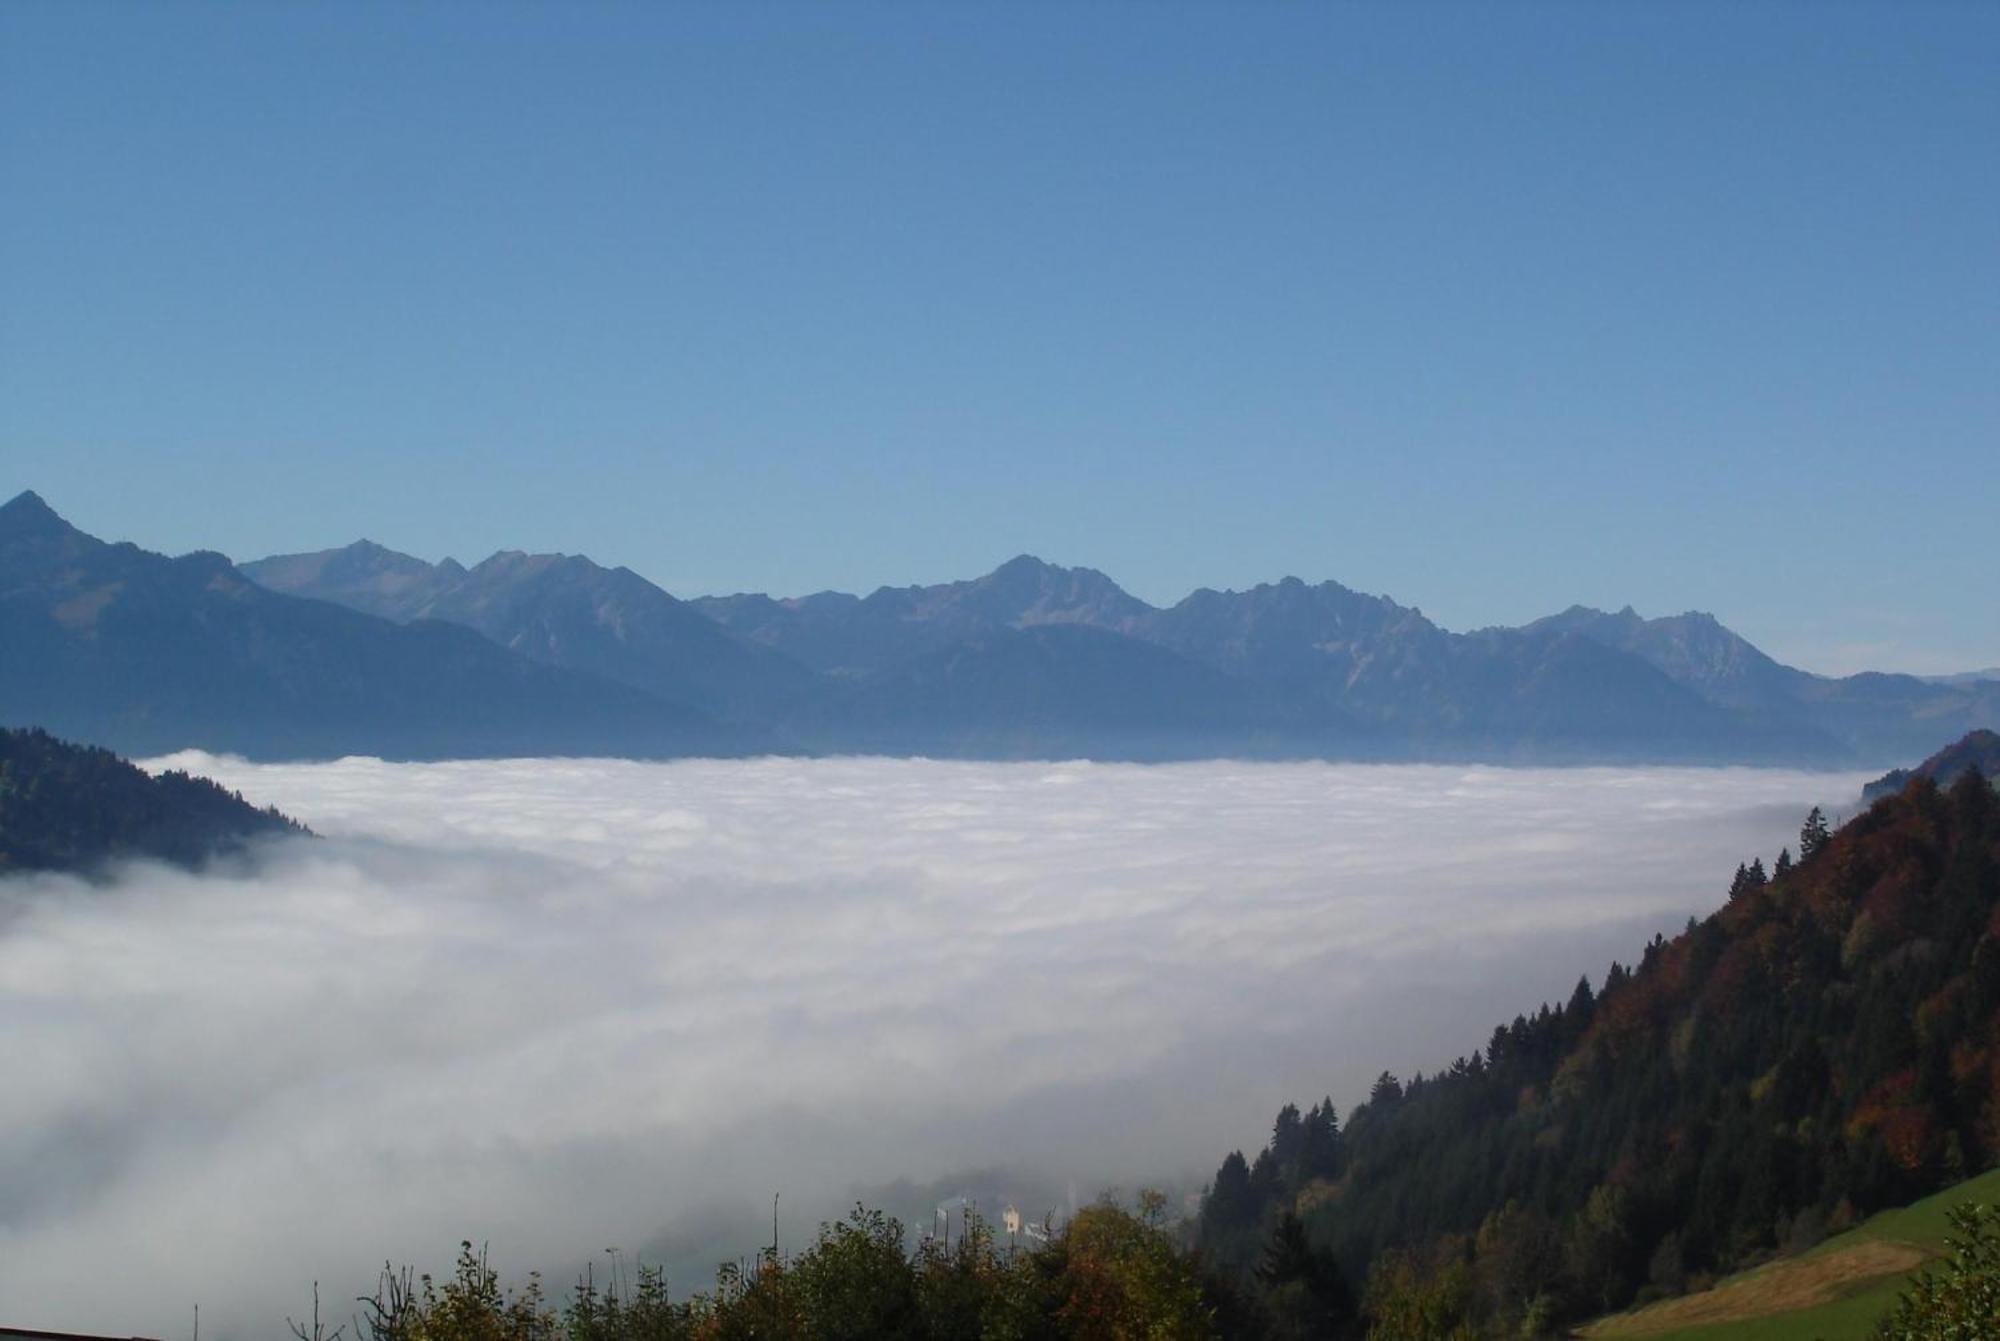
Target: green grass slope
1838	1291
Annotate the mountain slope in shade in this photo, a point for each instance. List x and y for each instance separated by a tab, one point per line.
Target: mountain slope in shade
67	807
1321	638
1568	699
147	654
1964	677
1873	715
560	610
1976	749
1058	690
1693	649
1533	694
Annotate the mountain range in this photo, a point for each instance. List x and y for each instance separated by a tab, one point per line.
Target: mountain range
366	650
114	645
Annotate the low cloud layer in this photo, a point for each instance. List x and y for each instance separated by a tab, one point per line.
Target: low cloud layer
560	1005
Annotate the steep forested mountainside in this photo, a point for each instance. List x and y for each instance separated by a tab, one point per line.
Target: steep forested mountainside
559	610
71	807
1825	1045
147	654
1976	749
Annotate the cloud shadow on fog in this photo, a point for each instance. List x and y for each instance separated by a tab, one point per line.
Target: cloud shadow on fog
559	1005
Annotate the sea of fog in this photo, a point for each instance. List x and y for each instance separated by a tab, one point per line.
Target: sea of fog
558	1006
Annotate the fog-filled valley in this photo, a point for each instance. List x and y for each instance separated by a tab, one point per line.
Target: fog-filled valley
559	1005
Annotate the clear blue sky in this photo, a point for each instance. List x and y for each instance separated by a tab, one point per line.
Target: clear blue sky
1492	308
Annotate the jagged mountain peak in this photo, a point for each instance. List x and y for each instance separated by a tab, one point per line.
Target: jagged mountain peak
27	503
1293	595
1041	591
27	516
1024	564
150	653
519	562
563	610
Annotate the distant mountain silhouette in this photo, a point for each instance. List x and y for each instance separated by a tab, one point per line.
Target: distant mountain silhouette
362	576
145	654
1873	715
857	636
1964	677
555	653
1060	689
560	610
1496	694
1314	669
67	807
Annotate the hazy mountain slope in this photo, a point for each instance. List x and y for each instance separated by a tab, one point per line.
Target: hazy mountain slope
1874	716
1693	649
143	653
561	610
1889	717
1963	677
362	576
1537	694
853	636
1306	656
1564	698
71	807
1290	633
1976	749
1054	690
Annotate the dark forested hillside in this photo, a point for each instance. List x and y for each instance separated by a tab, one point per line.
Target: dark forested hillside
1825	1045
68	807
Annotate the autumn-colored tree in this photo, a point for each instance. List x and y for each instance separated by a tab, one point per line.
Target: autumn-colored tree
1122	1280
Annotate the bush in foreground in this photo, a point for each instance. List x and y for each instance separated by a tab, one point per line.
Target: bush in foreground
1108	1275
1959	1299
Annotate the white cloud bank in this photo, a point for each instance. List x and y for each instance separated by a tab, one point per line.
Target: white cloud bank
564	1004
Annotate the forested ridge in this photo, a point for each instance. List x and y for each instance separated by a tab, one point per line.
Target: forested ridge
1825	1045
69	807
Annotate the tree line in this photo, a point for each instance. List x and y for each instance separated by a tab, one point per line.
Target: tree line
75	807
1824	1046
